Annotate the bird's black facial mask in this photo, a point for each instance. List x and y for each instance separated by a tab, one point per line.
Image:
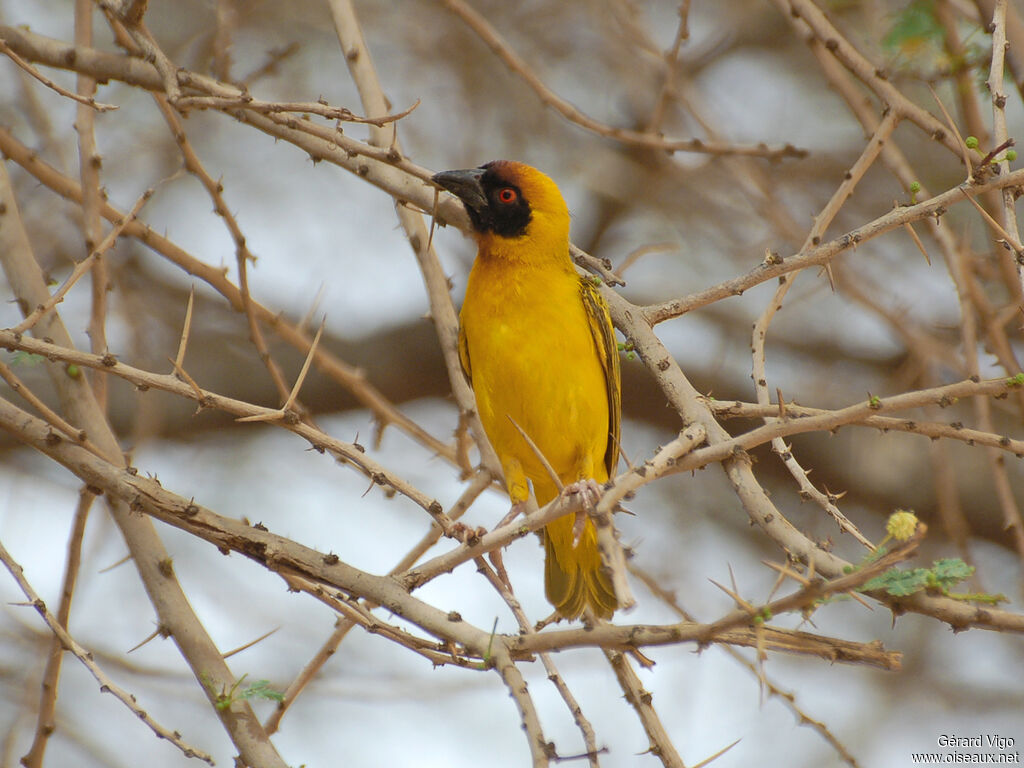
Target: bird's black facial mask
492	198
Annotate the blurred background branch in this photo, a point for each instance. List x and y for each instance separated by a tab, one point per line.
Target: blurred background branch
709	151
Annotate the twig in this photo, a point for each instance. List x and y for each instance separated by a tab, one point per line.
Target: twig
600	267
553	675
85	264
189	389
744	626
51	416
242	254
518	65
822	254
311	670
827	420
89	163
540	750
362	615
663	463
46	722
490	541
148	553
186	330
442	311
84	656
872	76
788	699
148	496
320	108
285	409
147	46
347	376
613	559
1000	135
641	700
480	483
931	429
88	101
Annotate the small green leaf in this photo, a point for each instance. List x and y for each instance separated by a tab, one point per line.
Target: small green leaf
952	570
898	583
261	690
26	359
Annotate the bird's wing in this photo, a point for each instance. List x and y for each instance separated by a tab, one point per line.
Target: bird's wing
464	354
607	348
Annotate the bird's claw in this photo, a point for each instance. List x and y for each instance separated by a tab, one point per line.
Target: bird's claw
589	492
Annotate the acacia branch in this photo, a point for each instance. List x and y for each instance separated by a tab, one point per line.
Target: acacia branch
724	409
482	28
46	720
822	254
106	684
691	406
346	375
349	452
148	553
874	77
827	420
89	101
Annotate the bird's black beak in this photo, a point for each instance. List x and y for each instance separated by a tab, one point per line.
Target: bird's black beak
465	185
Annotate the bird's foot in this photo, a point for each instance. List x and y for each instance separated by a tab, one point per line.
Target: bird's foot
589	491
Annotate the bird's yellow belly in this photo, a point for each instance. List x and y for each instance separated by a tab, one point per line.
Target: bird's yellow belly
536	364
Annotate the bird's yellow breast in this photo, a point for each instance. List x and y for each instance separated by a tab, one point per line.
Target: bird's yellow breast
535	363
538	346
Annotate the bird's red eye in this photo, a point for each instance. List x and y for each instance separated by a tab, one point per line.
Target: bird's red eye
507	195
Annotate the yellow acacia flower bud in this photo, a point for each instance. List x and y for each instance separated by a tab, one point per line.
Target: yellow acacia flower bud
901	524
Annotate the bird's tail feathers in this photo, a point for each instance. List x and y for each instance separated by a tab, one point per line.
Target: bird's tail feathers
573	579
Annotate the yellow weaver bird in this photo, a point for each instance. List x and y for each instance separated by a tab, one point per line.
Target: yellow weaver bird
537	345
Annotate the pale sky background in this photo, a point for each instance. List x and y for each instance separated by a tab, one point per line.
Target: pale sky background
376	704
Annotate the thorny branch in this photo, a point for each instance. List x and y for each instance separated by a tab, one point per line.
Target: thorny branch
106	684
286	557
443	637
